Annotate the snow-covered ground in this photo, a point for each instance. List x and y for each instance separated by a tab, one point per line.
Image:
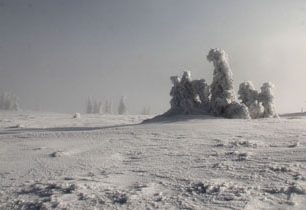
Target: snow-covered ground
52	161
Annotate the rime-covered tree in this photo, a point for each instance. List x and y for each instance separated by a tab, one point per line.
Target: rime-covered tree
266	97
175	93
188	96
89	107
222	89
189	100
100	108
249	96
9	101
94	106
15	104
202	91
122	109
108	107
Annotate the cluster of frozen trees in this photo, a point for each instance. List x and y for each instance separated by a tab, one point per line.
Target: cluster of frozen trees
189	96
197	97
95	106
9	101
260	104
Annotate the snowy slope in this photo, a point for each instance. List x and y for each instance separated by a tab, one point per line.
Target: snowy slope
51	161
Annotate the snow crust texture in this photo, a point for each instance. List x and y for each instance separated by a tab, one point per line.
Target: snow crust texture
56	162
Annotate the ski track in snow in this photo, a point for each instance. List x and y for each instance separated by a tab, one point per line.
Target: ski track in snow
53	161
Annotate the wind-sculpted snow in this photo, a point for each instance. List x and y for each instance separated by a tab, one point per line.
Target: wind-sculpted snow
186	163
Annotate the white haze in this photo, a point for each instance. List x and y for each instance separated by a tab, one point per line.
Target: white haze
55	54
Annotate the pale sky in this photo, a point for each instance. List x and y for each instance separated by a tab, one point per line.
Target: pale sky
56	53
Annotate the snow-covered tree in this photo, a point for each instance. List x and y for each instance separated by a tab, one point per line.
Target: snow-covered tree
202	90
108	107
266	97
249	96
89	107
175	93
9	101
222	89
188	96
94	106
100	108
189	101
122	109
15	104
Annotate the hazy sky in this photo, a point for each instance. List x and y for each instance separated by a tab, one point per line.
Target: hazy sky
56	53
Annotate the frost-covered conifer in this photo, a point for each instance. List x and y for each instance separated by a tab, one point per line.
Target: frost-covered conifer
249	96
222	93
100	108
222	90
202	90
108	107
95	107
9	101
122	109
266	97
188	96
175	93
189	102
89	107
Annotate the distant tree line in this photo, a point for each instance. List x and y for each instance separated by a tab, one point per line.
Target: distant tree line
95	106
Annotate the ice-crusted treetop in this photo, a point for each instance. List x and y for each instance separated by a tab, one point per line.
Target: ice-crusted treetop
267	89
175	80
249	96
247	93
186	76
222	69
266	96
188	96
247	85
222	89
